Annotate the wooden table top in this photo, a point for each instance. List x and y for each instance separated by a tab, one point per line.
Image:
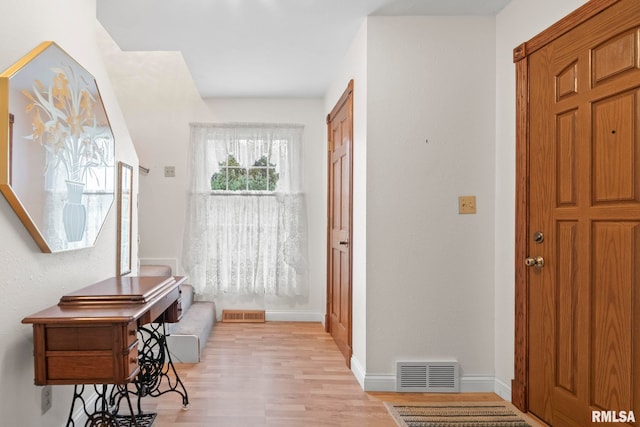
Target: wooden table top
117	299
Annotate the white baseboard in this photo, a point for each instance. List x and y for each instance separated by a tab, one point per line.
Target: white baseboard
468	384
503	390
370	382
380	382
476	384
358	371
294	316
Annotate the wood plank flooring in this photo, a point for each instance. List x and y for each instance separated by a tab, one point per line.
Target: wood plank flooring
278	374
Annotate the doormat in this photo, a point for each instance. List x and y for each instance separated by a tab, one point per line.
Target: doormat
456	414
141	420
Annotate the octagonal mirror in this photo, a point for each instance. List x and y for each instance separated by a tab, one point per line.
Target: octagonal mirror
57	165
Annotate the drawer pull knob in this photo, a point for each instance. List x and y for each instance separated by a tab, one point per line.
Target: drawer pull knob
133	332
134	360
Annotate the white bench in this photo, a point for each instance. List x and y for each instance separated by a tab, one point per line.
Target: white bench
186	339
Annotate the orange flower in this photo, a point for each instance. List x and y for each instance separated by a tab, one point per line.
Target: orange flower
38	125
75	125
60	90
86	105
56	137
60	86
68	127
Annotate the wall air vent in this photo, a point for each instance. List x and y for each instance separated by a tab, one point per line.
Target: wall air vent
243	316
430	377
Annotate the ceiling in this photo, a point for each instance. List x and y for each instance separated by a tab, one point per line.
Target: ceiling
260	48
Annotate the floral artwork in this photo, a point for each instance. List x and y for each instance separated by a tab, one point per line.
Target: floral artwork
61	152
65	124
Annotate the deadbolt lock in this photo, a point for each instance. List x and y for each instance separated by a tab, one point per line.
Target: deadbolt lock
537	262
538	237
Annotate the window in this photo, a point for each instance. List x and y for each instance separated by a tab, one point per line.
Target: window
259	176
236	240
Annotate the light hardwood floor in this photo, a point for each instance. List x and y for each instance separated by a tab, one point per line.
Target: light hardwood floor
278	375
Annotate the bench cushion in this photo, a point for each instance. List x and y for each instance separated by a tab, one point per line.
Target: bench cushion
155	270
187	338
187	297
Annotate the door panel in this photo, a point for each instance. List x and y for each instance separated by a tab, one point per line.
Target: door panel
340	135
566	157
615	148
567	304
584	196
615	255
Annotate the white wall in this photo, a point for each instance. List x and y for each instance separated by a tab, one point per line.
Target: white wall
310	113
516	23
429	269
354	67
159	100
30	280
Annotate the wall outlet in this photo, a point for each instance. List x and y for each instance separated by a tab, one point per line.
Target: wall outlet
169	171
467	204
47	398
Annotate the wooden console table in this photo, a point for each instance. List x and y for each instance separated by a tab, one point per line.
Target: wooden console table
92	337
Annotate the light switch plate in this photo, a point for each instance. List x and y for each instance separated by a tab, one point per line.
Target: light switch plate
169	171
467	204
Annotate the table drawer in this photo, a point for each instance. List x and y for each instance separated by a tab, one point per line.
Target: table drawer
130	363
86	354
131	333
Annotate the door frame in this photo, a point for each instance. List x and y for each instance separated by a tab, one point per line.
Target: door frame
519	384
346	97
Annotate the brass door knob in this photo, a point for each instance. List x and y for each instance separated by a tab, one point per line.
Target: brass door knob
537	262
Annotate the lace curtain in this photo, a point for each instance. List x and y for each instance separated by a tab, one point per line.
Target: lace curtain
246	241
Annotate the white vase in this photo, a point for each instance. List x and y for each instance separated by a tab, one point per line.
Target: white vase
74	213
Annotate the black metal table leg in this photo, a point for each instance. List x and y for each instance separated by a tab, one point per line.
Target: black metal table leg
104	413
156	366
156	369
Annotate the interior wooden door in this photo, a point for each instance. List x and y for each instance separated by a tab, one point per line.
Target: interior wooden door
583	236
340	146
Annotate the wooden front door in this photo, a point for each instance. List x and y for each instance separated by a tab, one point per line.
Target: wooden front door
582	234
340	143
